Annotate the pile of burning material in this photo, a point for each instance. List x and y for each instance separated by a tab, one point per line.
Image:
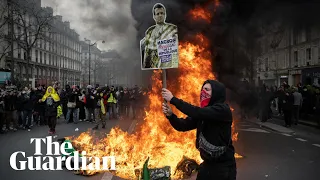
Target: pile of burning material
77	160
184	169
154	174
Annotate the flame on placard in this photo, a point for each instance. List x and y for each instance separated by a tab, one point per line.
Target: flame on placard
156	138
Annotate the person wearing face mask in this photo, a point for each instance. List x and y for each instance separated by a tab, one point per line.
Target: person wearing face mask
213	121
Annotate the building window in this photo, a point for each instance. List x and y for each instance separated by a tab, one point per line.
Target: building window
19	52
36	52
295	58
45	58
49	59
308	54
40	57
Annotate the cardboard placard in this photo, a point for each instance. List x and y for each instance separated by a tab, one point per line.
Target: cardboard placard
159	47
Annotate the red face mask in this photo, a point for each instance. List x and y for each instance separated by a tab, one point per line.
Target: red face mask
204	99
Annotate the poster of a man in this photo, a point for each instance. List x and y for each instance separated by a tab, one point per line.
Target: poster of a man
149	45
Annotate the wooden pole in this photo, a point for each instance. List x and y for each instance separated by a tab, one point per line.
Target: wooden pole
164	78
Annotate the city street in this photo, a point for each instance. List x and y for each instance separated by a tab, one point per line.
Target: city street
276	156
20	141
266	154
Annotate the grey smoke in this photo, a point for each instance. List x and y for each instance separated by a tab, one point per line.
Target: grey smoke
108	20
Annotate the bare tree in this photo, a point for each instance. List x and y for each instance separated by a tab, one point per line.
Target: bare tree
33	25
4	19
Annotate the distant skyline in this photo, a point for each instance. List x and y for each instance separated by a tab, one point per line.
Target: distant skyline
109	20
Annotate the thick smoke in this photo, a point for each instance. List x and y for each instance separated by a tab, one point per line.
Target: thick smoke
234	30
108	20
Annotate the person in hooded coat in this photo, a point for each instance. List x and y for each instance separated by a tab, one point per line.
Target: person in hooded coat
51	100
213	121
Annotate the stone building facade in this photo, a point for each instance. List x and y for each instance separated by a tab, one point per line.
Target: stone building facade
55	57
292	55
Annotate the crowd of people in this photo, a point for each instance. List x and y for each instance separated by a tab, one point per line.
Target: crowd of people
290	102
21	109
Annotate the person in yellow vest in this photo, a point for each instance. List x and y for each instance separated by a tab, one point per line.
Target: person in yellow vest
101	109
112	100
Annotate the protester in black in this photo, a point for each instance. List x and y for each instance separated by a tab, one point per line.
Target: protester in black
287	108
213	121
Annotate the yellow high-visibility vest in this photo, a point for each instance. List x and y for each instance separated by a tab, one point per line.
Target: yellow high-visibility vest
111	99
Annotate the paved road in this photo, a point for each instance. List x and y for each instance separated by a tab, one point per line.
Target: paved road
20	141
267	154
275	156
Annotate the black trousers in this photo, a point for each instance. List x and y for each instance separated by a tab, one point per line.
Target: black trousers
65	110
52	122
280	108
216	172
38	117
27	115
287	117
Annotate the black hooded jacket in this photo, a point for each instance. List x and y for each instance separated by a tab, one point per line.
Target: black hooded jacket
214	121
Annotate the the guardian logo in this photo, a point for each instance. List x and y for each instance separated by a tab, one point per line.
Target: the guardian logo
40	161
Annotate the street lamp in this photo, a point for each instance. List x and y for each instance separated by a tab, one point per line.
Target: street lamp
90	55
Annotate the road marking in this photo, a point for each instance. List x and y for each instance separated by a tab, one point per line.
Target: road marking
299	139
316	145
286	134
254	130
107	176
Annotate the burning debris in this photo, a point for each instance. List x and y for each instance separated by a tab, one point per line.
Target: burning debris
186	167
74	162
154	173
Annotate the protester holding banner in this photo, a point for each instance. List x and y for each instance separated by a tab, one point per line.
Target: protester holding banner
213	121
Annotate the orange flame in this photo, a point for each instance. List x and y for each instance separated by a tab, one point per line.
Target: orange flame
200	13
156	138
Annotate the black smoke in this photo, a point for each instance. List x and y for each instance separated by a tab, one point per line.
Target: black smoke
234	31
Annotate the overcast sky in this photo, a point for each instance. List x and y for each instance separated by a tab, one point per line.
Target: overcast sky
108	20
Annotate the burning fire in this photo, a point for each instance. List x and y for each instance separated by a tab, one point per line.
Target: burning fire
156	138
201	13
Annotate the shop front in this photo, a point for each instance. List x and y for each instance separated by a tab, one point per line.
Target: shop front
311	76
282	76
5	76
267	78
295	77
